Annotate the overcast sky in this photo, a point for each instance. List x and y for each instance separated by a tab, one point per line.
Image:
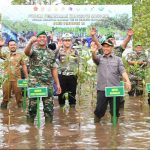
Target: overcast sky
5	2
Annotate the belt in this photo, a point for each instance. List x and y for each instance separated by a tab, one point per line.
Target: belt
67	73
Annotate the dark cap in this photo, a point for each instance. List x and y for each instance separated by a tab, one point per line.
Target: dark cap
108	42
41	33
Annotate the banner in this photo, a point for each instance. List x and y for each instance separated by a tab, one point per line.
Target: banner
20	22
64	15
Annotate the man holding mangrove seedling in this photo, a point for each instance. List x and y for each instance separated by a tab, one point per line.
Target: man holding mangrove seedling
13	60
109	69
42	68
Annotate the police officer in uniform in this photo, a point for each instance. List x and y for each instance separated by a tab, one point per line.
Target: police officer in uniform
68	64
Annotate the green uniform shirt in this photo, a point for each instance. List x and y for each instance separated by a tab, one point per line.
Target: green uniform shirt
68	61
134	56
41	62
137	71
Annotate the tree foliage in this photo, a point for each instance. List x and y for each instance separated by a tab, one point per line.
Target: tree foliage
97	2
120	22
18	2
25	25
141	21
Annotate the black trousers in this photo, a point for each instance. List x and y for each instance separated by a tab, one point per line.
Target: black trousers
102	102
68	84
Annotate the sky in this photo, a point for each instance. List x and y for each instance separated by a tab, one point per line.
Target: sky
5	2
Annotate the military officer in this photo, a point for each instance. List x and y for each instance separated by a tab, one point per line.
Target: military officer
42	67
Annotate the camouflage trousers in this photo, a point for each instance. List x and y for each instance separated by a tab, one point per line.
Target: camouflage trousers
47	106
136	88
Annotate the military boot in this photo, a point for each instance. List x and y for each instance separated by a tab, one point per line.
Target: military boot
48	118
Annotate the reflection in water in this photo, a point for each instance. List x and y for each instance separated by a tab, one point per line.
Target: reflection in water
76	130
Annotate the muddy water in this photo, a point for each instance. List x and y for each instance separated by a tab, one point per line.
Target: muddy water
76	129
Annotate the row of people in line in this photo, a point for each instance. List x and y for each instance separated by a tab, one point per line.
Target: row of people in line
43	67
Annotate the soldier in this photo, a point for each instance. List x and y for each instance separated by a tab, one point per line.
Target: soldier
68	64
42	68
109	68
137	61
13	60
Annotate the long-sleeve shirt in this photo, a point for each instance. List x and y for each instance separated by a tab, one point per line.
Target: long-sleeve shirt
109	70
12	63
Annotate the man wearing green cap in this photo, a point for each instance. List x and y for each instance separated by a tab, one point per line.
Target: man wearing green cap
42	68
137	61
41	33
109	68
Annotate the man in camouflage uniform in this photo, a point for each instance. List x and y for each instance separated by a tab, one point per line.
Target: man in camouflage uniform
13	60
137	61
68	64
42	68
